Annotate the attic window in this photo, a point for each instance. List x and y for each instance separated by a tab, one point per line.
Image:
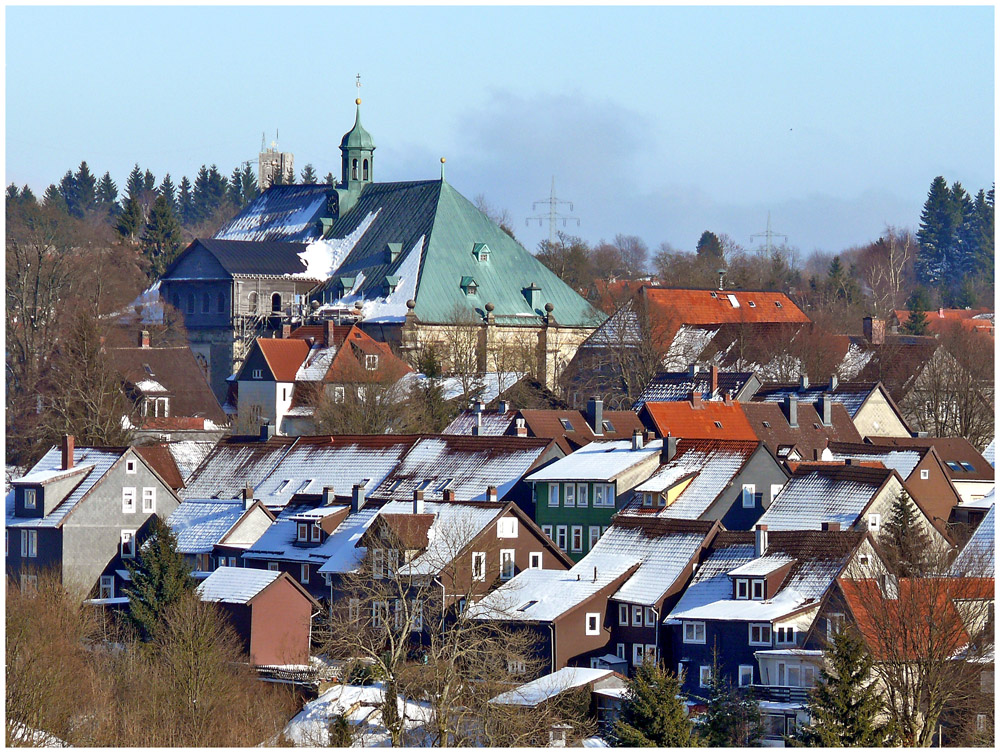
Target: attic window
733	300
371	362
718	424
281	487
444	485
395	485
713	294
303	486
608	426
148	369
529	605
481	251
469	285
767	424
752	304
778	304
966	466
422	486
569	427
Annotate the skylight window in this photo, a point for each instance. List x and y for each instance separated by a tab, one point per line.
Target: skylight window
527	606
714	295
752	304
422	486
148	369
733	300
444	485
566	424
608	426
303	486
778	304
282	486
718	424
767	424
395	485
966	466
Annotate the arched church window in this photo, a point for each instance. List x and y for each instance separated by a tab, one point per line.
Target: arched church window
364	169
276	302
354	169
253	303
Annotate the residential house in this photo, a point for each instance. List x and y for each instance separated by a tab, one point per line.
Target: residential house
869	404
800	431
729	480
978	555
214	533
971	474
853	495
235	463
939	322
576	496
697	419
79	511
748	609
270	612
710	383
606	610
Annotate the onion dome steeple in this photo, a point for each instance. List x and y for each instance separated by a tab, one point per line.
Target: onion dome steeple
357	148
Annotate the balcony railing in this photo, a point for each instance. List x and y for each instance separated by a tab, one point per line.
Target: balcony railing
781	693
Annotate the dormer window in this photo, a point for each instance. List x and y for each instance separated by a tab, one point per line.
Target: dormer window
392	252
647	499
757	589
481	251
315	532
469	285
371	362
30	499
303	532
742	588
389	284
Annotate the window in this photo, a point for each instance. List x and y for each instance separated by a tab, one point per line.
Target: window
547	530
650	617
582	495
29	582
380	613
569	495
553	495
507	528
417	620
604	495
272	566
794	675
620	650
760	634
746	675
608	427
704	675
636	616
577	538
593	623
535	561
29	543
775	489
364	169
354	169
354	610
516	666
785	635
30	498
694	632
718	424
371	362
314	532
304	572
479	565
566	424
924	474
594	533
129	466
637	651
561	537
623	614
757	589
834	621
128	499
808	676
107	587
506	564
257	374
752	304
748	496
128	544
276	302
149	499
232	562
874	522
742	588
303	534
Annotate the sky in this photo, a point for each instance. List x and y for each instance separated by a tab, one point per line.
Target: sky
659	122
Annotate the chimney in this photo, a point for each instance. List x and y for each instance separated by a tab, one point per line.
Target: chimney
144	338
491	493
477	406
595	415
637	439
266	431
727	399
519	428
328	326
669	450
874	330
418	502
889	586
714	377
696	399
825	407
595	573
792	409
286	331
940	313
448	495
503	406
816	455
693	370
650	436
357	498
477	424
328	495
830	526
803	381
760	540
68	445
247	495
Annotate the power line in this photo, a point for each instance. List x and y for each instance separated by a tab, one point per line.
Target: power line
768	235
553	215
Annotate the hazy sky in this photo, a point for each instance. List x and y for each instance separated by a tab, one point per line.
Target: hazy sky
655	121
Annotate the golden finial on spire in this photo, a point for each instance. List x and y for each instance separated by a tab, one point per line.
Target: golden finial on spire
442	168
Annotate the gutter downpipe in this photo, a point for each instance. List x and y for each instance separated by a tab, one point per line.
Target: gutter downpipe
552	635
656	639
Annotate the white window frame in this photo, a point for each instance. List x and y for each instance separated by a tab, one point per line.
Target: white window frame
304	573
623	615
29	581
507	556
479	565
692	630
232	561
757	589
302	533
371	362
553	495
30	494
130	466
592	623
577	538
377	555
744	670
507	528
705	676
315	532
338	393
784	636
604	495
650	617
107	590
760	626
620	651
583	495
636	615
29	543
638	651
834	621
924	474
534	560
380	611
128	499
149	499
561	537
547	530
748	494
257	374
742	588
776	490
273	567
874	522
127	537
593	536
569	495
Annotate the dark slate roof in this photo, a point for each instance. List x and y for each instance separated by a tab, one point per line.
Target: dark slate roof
669	386
956	450
281	213
851	395
255	257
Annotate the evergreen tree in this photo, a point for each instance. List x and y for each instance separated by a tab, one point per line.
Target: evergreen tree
652	715
236	188
918	305
905	542
162	238
130	221
709	245
309	175
168	192
249	188
185	202
107	195
160	578
27	196
148	182
85	191
329	179
984	261
202	202
936	234
53	198
13	194
963	251
134	186
67	188
732	719
844	708
290	177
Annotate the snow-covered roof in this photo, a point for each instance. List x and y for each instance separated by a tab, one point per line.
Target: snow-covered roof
978	555
198	524
990	453
317	363
486	387
286	213
233	465
900	459
342	555
189	453
236	585
837	494
491	422
278	542
762	566
549	686
44	477
98	459
597	461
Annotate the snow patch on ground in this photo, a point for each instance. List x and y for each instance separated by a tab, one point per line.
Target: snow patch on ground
323	257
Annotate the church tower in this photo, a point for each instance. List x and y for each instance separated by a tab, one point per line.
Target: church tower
357	161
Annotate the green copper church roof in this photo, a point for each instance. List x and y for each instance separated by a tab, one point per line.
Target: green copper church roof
357	137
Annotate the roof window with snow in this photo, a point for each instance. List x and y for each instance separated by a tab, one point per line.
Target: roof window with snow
392	252
733	300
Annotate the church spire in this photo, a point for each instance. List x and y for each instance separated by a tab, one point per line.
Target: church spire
357	152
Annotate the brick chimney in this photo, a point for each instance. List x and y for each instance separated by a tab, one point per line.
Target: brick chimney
714	379
519	428
830	526
449	495
418	502
357	498
595	415
328	326
760	540
727	399
286	331
696	402
491	493
68	445
144	338
874	330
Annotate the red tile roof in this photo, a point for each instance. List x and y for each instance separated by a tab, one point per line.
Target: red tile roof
160	459
711	420
716	307
283	356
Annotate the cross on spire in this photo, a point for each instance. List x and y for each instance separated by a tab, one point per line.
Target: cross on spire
357	83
